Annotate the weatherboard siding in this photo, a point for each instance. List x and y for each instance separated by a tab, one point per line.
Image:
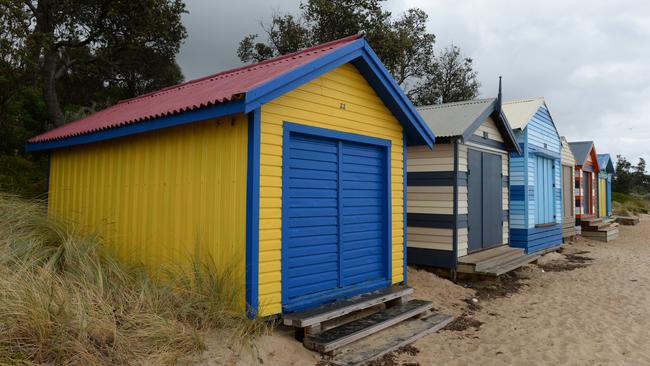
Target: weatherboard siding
339	100
539	138
161	198
436	199
489	127
568	160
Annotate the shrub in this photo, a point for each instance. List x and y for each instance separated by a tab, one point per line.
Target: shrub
66	300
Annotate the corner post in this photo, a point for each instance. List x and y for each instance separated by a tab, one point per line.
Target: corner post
253	212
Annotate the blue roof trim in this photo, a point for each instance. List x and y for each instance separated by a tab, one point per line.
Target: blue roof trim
216	111
358	52
253	213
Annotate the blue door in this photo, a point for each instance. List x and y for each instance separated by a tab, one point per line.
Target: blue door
544	198
335	214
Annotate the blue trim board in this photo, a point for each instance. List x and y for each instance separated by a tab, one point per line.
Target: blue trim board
432	258
487	142
343	292
437	221
535	239
404	205
358	52
437	179
202	114
253	212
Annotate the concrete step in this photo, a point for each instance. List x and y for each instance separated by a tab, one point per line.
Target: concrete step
341	308
345	334
389	340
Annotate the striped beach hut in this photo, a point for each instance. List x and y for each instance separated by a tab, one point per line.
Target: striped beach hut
586	174
290	169
458	192
605	176
568	191
535	177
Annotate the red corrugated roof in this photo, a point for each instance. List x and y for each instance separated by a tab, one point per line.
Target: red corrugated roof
218	88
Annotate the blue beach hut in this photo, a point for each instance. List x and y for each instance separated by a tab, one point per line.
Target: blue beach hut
535	177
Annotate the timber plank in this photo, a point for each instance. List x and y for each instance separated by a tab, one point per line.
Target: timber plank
390	340
345	334
344	307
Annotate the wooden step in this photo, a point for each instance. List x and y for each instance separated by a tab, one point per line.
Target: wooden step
487	254
511	265
389	340
496	261
604	236
345	334
340	308
627	220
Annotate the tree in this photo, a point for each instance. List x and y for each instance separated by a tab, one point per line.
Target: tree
450	78
113	41
403	44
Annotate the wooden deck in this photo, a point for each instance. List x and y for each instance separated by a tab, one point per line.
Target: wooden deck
495	261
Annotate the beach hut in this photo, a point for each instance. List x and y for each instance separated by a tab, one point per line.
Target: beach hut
586	173
568	191
292	169
605	176
535	177
458	192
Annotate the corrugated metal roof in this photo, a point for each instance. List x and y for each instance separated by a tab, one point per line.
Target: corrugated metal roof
519	112
581	150
210	90
453	119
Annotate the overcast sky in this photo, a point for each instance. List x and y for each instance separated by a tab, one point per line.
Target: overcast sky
589	59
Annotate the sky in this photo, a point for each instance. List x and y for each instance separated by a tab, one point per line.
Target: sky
590	60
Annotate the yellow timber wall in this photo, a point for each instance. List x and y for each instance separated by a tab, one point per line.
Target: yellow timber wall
161	197
319	104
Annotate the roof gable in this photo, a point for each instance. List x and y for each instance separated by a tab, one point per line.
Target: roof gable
520	112
239	90
605	163
461	119
582	150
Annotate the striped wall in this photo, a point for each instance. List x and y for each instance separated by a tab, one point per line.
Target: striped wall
539	138
339	100
581	206
430	193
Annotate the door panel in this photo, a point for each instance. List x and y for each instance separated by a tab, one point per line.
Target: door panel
485	200
602	197
567	192
586	195
335	214
492	200
544	199
475	200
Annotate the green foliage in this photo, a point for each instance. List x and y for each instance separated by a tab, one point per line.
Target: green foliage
630	204
61	60
451	78
66	300
629	178
403	44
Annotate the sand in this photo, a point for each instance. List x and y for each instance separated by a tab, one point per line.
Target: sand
588	306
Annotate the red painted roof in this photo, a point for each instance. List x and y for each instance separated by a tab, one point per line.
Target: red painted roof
218	88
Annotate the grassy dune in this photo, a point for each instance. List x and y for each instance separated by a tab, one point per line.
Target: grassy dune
66	300
630	204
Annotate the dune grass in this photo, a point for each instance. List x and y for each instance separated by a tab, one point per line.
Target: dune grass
630	204
65	300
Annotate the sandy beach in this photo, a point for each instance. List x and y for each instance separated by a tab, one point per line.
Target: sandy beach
589	305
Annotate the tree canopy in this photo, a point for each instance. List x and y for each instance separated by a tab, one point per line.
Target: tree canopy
61	59
402	43
631	178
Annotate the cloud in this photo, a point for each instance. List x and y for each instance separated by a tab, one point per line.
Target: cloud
589	59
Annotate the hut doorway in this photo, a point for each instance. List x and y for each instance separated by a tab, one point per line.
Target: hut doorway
484	193
586	192
335	207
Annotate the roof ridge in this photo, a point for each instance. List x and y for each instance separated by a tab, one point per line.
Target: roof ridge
524	100
235	70
452	104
